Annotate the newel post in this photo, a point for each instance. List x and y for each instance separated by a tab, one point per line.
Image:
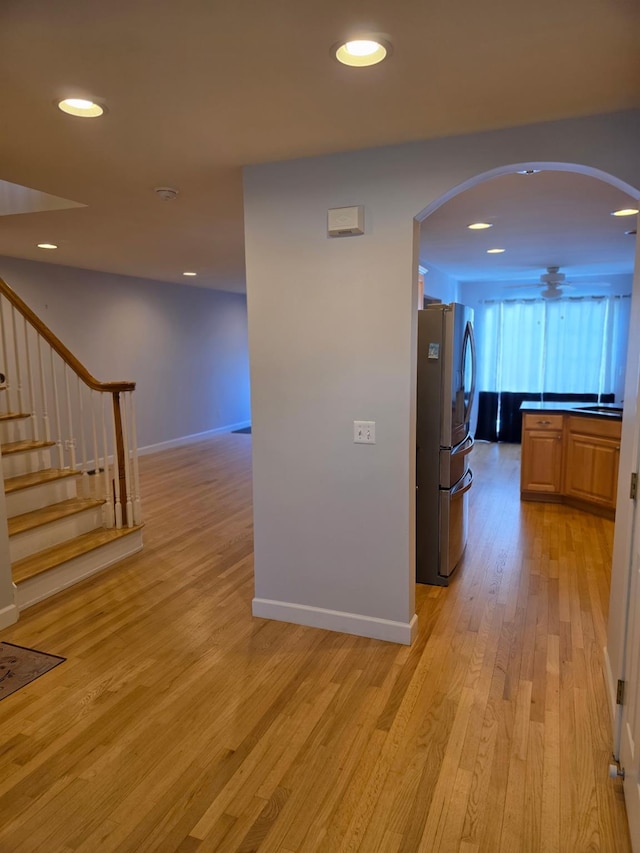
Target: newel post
119	452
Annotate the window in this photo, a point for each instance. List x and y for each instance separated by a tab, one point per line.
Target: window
569	349
564	346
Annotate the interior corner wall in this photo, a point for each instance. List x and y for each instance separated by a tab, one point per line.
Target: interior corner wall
439	285
332	340
185	347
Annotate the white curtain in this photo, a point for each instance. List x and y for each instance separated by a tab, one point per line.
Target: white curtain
566	346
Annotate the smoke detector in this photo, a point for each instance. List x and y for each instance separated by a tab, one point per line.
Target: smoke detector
166	193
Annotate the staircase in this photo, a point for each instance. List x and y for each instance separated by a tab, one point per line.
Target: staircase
69	461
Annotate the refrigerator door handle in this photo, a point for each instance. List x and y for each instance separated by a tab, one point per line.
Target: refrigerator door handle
462	485
470	338
453	464
464	447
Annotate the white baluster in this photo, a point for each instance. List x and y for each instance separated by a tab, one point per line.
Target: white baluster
83	444
5	359
56	406
137	507
109	514
35	432
116	471
94	433
70	443
16	356
43	392
127	460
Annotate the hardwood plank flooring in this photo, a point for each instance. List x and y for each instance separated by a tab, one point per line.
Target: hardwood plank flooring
180	723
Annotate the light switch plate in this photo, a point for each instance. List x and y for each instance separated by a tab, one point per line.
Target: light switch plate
364	432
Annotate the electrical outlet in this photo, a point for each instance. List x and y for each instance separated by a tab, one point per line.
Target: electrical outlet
364	432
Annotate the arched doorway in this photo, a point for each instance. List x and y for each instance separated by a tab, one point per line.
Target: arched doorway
620	625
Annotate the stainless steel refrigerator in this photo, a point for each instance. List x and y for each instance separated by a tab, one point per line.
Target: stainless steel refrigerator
445	396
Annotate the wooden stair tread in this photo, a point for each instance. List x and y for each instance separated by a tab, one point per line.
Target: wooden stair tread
54	512
35	478
35	564
13	416
22	446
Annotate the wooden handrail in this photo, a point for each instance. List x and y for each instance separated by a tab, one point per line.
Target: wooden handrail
60	348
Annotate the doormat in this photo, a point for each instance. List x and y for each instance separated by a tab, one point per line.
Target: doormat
246	430
19	666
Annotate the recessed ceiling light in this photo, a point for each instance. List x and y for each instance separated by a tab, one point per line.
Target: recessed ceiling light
189	273
47	246
80	107
480	226
625	211
631	233
361	52
495	251
528	171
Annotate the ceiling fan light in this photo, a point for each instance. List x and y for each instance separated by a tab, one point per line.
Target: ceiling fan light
551	292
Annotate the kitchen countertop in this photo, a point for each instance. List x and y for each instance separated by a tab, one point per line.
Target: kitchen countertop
610	411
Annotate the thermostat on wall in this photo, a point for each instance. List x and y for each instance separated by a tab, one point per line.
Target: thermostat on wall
345	221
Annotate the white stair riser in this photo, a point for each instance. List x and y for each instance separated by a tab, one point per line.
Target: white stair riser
37	497
14	464
38	539
48	583
15	430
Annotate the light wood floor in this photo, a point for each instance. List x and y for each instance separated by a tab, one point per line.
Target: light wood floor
179	723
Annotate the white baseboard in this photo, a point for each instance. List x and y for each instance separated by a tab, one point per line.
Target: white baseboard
336	620
8	616
189	439
48	583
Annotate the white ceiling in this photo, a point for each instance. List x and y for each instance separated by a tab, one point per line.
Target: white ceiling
197	88
546	219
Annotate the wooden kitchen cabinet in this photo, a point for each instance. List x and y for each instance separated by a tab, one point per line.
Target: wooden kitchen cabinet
542	451
592	457
571	459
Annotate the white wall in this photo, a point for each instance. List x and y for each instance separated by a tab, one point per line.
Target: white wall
332	339
8	608
185	347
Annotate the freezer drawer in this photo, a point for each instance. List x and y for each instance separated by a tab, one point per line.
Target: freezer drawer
454	462
454	522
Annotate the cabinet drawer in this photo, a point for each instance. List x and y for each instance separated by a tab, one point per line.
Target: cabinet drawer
542	420
600	427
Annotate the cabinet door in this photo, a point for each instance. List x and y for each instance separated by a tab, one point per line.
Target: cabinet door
592	468
541	461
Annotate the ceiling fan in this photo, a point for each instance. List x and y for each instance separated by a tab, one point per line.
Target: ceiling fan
554	284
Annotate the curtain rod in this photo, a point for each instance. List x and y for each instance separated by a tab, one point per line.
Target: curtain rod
537	299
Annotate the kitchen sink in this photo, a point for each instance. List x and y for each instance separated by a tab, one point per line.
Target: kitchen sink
601	410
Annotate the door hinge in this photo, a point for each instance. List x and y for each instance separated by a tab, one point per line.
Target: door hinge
620	693
633	488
